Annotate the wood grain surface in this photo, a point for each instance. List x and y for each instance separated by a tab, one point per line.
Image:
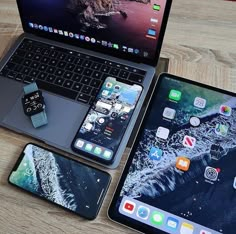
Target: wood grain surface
200	43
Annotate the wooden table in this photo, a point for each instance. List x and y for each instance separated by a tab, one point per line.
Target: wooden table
200	42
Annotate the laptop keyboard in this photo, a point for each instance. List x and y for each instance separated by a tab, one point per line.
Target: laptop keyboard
65	72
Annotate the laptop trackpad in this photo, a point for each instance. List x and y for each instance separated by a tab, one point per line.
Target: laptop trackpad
64	120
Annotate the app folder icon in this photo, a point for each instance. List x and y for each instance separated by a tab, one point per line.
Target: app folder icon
186	228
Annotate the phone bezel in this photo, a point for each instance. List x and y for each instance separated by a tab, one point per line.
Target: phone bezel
108	176
113	212
91	156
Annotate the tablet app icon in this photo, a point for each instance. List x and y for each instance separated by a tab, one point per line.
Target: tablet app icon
225	110
169	113
186	228
162	133
157	218
129	207
143	212
211	173
155	153
189	141
182	163
199	102
175	95
172	223
221	129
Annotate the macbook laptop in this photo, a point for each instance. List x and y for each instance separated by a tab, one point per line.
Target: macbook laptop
68	48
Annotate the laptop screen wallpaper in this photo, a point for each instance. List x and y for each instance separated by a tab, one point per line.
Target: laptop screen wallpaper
128	26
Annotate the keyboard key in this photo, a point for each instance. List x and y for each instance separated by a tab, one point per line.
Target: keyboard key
68	75
79	69
62	56
42	67
34	73
12	75
18	68
26	70
83	98
61	64
77	86
94	92
16	59
20	77
45	60
20	53
10	66
96	66
76	77
53	62
42	76
123	74
35	64
37	57
87	63
51	70
70	67
29	79
57	89
88	72
78	61
85	80
105	69
86	89
136	78
68	84
59	72
70	59
95	83
27	62
59	81
53	54
51	78
97	75
114	71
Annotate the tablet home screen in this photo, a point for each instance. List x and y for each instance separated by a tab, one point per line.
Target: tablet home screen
182	178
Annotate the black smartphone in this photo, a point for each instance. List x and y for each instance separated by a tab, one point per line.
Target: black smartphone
101	132
68	183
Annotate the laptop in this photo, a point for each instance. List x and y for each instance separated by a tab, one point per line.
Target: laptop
68	48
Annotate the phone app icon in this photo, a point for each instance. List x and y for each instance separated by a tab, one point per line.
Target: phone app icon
105	93
107	154
143	212
189	142
172	223
155	153
109	85
225	110
211	173
101	120
88	147
118	106
129	207
199	102
186	228
175	95
157	218
97	150
205	232
154	20
127	109
88	126
182	163
151	32
194	121
221	129
162	133
156	7
79	144
234	184
116	88
169	113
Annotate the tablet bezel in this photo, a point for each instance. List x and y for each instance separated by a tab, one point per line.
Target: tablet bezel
113	213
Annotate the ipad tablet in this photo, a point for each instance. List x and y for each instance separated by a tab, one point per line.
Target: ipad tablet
181	173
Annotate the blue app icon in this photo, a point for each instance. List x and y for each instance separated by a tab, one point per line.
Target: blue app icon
172	223
155	153
31	25
151	32
45	28
143	212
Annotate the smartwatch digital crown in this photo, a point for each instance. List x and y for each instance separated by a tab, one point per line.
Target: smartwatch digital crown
34	105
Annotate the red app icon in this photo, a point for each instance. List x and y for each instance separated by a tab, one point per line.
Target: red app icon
129	207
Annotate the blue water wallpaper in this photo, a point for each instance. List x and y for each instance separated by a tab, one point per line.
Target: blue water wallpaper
196	194
64	182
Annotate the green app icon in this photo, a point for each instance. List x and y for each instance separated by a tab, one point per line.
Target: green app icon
115	46
88	147
157	218
156	7
107	154
175	95
98	150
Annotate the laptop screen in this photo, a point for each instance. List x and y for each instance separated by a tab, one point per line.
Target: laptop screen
132	29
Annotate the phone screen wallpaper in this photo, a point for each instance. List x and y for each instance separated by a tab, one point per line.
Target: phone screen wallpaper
185	161
59	180
107	120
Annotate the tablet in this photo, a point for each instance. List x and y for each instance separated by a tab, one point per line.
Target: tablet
181	173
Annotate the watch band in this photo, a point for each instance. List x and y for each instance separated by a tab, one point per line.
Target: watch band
39	119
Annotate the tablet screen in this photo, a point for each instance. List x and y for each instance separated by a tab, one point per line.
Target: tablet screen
181	174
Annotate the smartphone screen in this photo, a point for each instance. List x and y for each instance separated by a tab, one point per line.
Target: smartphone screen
63	181
104	126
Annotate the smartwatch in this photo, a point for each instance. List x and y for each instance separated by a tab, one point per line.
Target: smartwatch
34	105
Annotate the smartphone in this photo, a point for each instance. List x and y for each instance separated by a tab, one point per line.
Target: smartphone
102	130
68	183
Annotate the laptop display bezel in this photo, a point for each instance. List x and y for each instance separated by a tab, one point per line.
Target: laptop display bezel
111	52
